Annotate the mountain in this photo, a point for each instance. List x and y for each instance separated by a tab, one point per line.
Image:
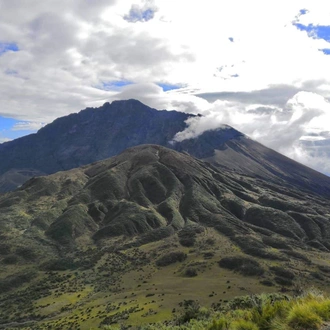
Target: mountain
129	239
90	135
96	134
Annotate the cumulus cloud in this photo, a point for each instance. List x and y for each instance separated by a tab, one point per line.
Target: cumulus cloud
68	49
238	65
299	130
272	95
153	95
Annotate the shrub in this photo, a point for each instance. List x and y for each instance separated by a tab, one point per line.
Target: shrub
317	275
191	311
276	243
282	272
187	236
302	317
10	259
283	281
171	258
296	255
267	282
208	254
16	280
58	264
267	310
325	269
190	272
321	308
221	324
244	325
243	265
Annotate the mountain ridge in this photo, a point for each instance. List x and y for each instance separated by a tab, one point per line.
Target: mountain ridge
95	134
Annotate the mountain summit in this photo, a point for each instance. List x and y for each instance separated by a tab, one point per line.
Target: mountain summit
96	134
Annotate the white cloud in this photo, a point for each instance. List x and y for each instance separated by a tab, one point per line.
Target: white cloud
27	126
154	96
290	130
2	140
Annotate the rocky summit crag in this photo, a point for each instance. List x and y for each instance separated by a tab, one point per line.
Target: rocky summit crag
98	133
127	240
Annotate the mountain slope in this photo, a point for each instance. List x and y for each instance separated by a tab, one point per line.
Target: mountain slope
246	156
89	246
95	134
90	135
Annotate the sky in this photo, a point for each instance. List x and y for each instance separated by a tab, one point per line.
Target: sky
262	67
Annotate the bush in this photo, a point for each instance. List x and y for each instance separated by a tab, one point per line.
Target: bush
208	255
244	325
325	269
10	259
276	243
191	311
267	282
243	265
221	324
171	258
58	264
321	308
283	281
267	310
296	255
302	317
282	272
190	272
16	280
187	236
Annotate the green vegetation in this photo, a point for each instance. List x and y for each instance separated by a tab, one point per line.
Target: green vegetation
309	311
151	236
171	258
243	265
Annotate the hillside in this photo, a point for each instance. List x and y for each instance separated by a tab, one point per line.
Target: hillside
128	239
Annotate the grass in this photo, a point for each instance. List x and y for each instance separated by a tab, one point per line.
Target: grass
307	312
143	293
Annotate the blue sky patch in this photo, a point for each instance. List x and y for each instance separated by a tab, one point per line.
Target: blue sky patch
315	31
147	15
7	47
325	51
5	129
137	14
6	125
113	85
168	87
